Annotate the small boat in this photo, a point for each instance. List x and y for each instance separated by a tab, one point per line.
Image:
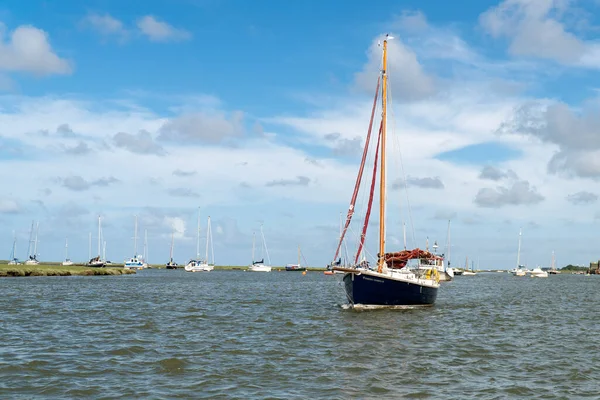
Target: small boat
437	262
518	270
13	260
33	241
137	262
259	266
538	273
67	259
296	267
553	270
172	264
466	271
392	282
97	261
198	265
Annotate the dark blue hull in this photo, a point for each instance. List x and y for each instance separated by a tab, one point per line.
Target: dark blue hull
375	290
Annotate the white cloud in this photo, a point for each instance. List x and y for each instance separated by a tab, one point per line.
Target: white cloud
159	31
28	49
105	24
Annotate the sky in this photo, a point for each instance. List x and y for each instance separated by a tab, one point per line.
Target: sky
256	113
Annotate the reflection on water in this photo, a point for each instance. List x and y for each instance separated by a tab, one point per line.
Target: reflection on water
171	334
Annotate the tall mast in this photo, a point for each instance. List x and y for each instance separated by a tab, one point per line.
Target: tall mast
553	267
265	244
519	250
448	251
172	244
198	237
135	227
30	240
37	231
382	190
145	245
99	253
253	241
207	237
298	255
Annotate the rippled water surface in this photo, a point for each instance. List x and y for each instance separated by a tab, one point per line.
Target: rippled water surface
233	334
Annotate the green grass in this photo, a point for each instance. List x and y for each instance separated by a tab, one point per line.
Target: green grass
58	270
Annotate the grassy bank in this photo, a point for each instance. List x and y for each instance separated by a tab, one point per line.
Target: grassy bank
58	270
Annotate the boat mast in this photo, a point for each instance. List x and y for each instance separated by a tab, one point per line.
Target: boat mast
519	250
552	267
382	187
37	231
298	256
99	253
265	244
207	237
135	229
30	240
172	244
198	237
253	241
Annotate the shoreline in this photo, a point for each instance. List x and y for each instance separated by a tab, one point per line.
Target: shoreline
12	271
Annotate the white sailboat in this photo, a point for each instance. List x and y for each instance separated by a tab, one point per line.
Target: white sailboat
466	272
137	261
259	266
518	270
13	260
199	265
98	261
172	264
553	270
33	241
67	259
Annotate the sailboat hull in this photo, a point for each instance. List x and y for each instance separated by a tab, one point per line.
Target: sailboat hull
381	291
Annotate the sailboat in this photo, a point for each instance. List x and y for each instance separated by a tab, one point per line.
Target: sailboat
466	272
392	282
518	270
199	265
259	266
98	261
33	241
329	270
436	262
172	264
137	261
553	270
67	259
295	267
13	260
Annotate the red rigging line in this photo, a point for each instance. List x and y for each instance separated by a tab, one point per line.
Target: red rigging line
371	193
360	173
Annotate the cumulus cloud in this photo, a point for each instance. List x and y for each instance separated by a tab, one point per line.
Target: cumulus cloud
105	24
494	174
342	146
573	132
518	193
80	149
77	183
28	49
159	31
201	127
298	181
408	80
582	197
423	183
140	143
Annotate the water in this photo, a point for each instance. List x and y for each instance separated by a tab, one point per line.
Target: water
233	334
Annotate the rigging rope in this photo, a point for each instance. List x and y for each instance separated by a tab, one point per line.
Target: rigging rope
360	173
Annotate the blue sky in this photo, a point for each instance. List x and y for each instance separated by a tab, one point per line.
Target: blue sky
256	113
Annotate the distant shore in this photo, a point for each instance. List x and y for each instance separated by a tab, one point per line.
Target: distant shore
58	270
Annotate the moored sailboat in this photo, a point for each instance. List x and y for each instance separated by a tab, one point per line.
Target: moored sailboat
67	259
259	266
172	264
136	262
98	261
518	270
199	265
13	260
295	267
553	270
33	242
466	271
392	282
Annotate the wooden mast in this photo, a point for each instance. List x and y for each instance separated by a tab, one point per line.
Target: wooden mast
383	160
